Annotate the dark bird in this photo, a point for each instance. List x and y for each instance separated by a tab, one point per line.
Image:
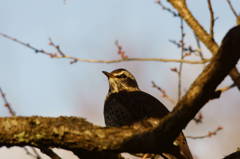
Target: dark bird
126	103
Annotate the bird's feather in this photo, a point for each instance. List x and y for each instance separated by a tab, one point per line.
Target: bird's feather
125	108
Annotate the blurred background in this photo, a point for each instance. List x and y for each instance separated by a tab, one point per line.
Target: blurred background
38	85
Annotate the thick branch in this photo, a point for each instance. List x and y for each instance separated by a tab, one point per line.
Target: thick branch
206	38
203	88
72	133
151	135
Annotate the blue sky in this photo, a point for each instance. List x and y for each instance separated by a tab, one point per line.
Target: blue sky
38	85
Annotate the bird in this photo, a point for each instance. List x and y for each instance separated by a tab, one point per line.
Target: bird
126	104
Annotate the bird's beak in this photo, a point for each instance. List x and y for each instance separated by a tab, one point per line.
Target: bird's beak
109	75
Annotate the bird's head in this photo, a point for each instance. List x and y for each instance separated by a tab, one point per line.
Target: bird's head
121	80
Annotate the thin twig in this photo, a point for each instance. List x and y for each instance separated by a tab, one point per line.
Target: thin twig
57	47
210	134
61	55
6	103
198	118
188	49
182	57
232	9
13	113
199	47
224	89
30	154
234	12
50	153
36	155
163	93
219	91
212	19
175	14
120	50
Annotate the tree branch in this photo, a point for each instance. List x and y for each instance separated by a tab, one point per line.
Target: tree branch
50	153
208	135
212	18
203	88
45	150
201	33
232	9
148	136
71	133
59	54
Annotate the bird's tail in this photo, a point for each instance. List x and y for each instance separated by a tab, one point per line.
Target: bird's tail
182	153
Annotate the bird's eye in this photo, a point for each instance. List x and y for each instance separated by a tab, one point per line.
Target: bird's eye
121	76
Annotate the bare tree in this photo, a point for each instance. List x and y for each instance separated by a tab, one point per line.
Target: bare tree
87	140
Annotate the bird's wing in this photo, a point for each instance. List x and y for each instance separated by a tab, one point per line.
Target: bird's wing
115	114
125	108
143	105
